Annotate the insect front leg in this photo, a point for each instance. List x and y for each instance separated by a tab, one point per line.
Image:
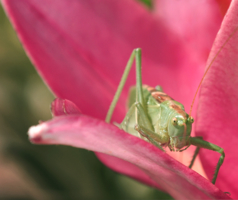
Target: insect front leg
120	87
194	157
195	154
207	145
154	138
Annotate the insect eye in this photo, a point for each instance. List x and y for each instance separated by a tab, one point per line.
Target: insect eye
174	121
191	120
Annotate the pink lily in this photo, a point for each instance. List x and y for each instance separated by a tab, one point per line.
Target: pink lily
80	49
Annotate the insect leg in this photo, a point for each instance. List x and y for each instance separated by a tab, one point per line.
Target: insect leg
150	135
194	155
143	123
207	145
120	87
142	117
139	91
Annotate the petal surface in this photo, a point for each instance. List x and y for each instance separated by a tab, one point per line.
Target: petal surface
218	112
81	51
196	22
60	107
63	107
86	132
83	62
223	5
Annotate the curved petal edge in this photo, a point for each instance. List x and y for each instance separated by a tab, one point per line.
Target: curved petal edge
85	132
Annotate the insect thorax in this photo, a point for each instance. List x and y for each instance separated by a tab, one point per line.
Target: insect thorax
161	110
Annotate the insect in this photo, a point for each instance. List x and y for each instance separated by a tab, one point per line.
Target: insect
157	118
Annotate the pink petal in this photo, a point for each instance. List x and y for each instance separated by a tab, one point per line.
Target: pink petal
86	132
81	51
83	62
223	5
196	22
126	168
63	107
218	111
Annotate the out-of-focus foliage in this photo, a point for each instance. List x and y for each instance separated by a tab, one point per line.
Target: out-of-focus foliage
148	3
45	172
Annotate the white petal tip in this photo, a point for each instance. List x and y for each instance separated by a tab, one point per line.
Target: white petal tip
35	133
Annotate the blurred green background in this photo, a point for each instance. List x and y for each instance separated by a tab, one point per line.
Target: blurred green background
29	171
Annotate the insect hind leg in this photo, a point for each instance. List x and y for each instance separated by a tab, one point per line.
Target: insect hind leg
142	117
139	90
136	53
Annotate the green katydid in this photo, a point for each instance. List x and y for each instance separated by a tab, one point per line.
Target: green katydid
157	118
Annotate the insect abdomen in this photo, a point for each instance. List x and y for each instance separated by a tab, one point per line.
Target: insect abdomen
159	96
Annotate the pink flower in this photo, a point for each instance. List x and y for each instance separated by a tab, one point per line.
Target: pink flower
80	49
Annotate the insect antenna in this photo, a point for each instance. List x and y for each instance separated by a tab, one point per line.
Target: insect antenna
209	66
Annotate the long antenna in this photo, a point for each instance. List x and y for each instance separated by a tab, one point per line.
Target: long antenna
209	66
